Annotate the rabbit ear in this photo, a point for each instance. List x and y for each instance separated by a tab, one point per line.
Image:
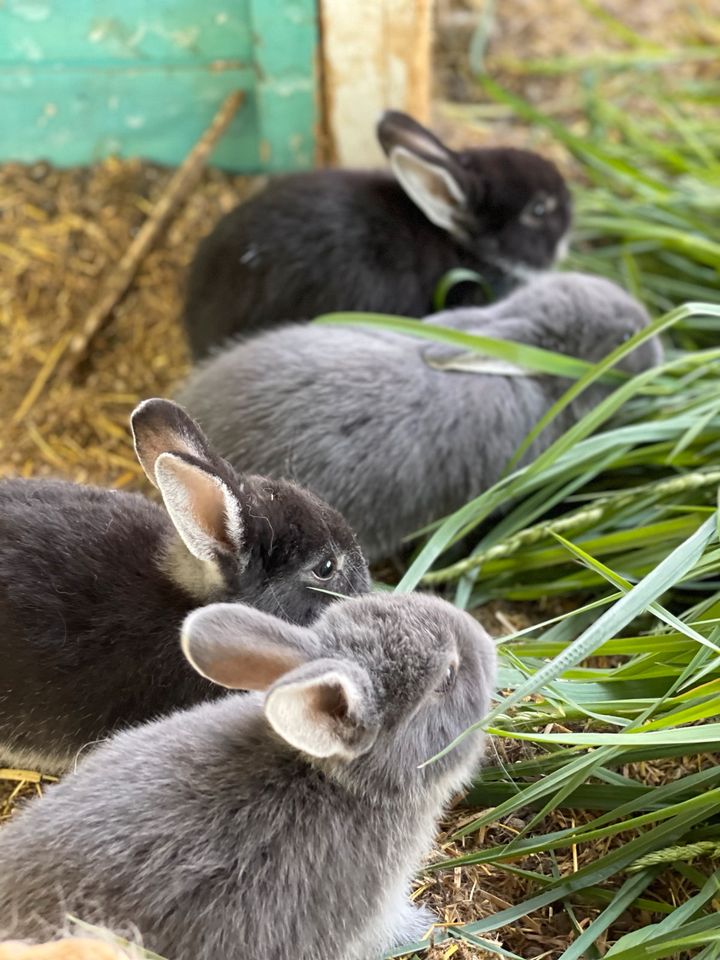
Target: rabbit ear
161	426
205	511
324	709
425	168
242	648
431	187
396	129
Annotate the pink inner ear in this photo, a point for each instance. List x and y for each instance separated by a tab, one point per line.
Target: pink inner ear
202	497
330	700
438	187
248	669
148	447
151	443
206	501
423	146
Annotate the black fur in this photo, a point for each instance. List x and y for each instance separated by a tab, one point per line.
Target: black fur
353	240
90	617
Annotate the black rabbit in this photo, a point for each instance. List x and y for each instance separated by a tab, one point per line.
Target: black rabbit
94	584
377	240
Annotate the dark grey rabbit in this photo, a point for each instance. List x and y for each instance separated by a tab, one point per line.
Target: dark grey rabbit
365	420
94	584
283	826
375	240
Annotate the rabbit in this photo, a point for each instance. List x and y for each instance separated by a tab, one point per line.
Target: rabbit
374	240
367	420
94	584
282	825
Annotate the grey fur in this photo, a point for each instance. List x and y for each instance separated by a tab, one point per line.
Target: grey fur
210	836
94	585
361	418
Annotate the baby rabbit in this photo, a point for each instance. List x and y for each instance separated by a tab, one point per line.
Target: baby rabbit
375	240
362	417
94	584
278	826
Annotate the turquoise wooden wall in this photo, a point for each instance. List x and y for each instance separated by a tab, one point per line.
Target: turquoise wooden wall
81	79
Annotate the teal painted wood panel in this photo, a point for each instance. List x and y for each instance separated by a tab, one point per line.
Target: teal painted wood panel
78	32
285	39
81	79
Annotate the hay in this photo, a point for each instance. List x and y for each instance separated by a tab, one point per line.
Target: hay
15	789
62	234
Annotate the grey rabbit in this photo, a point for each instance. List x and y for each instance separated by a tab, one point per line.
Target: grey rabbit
365	419
377	240
94	584
281	825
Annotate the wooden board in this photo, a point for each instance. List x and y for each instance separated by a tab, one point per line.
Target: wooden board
376	55
80	79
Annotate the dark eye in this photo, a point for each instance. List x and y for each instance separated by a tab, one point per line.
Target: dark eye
536	210
325	569
448	681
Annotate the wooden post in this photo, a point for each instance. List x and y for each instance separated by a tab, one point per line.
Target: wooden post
284	46
375	55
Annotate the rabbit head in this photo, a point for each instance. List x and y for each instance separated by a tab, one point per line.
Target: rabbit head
509	207
239	538
586	315
378	685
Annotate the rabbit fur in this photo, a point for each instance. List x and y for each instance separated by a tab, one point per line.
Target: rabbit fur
94	584
377	240
285	824
366	420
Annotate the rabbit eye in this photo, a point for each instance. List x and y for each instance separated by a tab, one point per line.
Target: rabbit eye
533	213
449	679
538	207
325	569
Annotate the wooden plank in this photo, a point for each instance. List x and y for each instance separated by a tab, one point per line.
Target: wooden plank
80	79
285	36
375	55
109	32
78	115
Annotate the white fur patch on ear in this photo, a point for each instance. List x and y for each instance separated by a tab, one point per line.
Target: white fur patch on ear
202	507
430	186
309	714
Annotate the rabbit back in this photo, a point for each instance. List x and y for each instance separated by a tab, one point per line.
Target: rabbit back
379	241
197	813
378	425
316	243
381	435
66	553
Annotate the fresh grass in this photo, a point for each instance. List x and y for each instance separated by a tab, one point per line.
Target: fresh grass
620	516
